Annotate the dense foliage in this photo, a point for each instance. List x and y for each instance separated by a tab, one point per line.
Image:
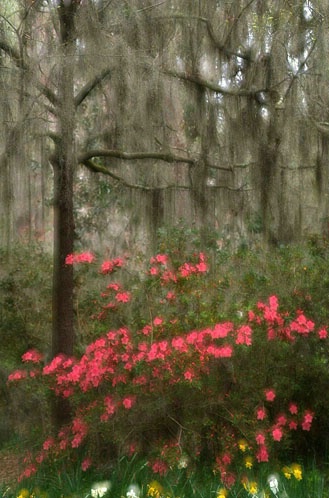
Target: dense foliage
254	383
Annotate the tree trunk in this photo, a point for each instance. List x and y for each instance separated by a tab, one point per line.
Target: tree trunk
64	165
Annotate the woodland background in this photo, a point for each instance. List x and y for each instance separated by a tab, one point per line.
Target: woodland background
214	112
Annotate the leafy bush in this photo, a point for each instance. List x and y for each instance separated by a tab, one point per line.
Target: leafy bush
180	386
25	322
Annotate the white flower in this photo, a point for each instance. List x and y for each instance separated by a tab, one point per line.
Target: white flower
183	462
133	491
99	489
273	482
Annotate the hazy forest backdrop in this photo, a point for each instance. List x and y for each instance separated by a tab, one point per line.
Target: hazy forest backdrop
211	111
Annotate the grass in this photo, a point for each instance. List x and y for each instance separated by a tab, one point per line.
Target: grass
132	478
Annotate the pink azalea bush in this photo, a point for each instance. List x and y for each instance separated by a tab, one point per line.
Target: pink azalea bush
172	392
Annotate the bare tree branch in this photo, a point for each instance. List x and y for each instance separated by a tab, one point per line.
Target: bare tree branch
13	53
17	59
97	168
236	20
89	87
169	158
152	6
198	80
246	54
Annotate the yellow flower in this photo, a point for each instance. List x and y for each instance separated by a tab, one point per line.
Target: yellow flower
253	488
297	471
248	461
222	493
286	472
154	489
23	493
250	486
243	445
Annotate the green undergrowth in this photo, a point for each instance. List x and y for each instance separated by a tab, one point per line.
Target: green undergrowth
132	478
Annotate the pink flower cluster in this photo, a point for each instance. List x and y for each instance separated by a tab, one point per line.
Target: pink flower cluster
280	325
110	265
84	257
161	268
123	367
114	295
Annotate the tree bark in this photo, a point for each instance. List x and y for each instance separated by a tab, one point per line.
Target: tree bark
64	162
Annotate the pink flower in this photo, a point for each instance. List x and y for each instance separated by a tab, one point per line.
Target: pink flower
69	260
160	258
281	419
157	321
129	402
118	262
261	413
186	269
123	297
170	296
221	330
292	425
274	303
202	256
202	267
270	394
28	472
77	440
63	444
260	439
302	325
308	417
79	426
168	276
49	443
114	286
307	420
154	271
244	335
53	365
147	329
107	267
228	479
109	406
160	467
277	433
293	408
262	454
226	459
179	344
226	351
33	356
220	352
84	257
188	375
86	464
17	375
322	333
